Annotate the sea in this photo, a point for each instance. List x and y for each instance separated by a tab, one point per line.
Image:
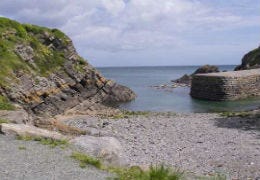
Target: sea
141	80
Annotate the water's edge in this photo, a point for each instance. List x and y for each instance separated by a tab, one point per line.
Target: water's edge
175	100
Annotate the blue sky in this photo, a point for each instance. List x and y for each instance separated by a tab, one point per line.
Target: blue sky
148	32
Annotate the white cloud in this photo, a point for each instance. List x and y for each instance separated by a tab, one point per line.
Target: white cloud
131	25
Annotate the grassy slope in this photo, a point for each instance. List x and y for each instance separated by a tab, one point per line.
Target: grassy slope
46	59
253	57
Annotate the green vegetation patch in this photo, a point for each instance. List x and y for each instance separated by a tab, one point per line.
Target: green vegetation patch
128	114
45	141
235	114
254	57
5	104
2	121
85	160
46	59
213	177
22	148
159	172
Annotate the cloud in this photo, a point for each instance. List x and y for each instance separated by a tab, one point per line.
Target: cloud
137	25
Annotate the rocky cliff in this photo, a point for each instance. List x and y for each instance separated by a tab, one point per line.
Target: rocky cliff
250	61
41	71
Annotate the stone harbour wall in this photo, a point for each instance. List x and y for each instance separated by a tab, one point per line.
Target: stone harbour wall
224	86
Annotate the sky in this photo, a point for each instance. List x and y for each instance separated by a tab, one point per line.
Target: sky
148	32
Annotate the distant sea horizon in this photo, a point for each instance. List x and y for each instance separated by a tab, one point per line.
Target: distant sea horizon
131	66
141	78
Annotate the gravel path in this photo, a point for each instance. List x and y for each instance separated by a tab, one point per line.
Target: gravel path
197	143
40	162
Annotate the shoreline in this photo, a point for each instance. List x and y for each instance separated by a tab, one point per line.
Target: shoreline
198	143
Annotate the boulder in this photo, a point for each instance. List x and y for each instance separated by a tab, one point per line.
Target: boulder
108	149
206	69
119	94
17	116
186	79
28	130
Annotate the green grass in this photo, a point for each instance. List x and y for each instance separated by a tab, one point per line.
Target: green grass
47	60
214	177
22	148
3	121
52	142
159	172
45	141
127	114
235	114
254	57
5	104
85	160
133	173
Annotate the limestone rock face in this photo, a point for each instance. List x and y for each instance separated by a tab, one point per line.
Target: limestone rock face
108	149
45	74
250	61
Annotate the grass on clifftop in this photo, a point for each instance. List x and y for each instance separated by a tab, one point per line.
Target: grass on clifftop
45	58
254	57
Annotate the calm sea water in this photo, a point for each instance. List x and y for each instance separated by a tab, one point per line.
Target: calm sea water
178	100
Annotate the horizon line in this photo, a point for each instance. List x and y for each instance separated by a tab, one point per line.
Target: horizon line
131	66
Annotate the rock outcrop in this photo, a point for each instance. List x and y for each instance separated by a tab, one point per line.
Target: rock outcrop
206	69
108	149
42	72
250	61
30	131
186	79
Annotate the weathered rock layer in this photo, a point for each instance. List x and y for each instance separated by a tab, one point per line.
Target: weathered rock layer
42	72
222	86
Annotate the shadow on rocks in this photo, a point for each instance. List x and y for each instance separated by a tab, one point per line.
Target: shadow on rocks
246	124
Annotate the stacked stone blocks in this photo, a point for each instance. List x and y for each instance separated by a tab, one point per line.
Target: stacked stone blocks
224	86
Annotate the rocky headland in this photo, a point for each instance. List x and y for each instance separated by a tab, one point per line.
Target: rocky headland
43	74
251	60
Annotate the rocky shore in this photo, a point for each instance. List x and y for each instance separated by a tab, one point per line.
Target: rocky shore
201	144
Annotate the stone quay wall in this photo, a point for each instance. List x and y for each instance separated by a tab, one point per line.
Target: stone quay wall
225	86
